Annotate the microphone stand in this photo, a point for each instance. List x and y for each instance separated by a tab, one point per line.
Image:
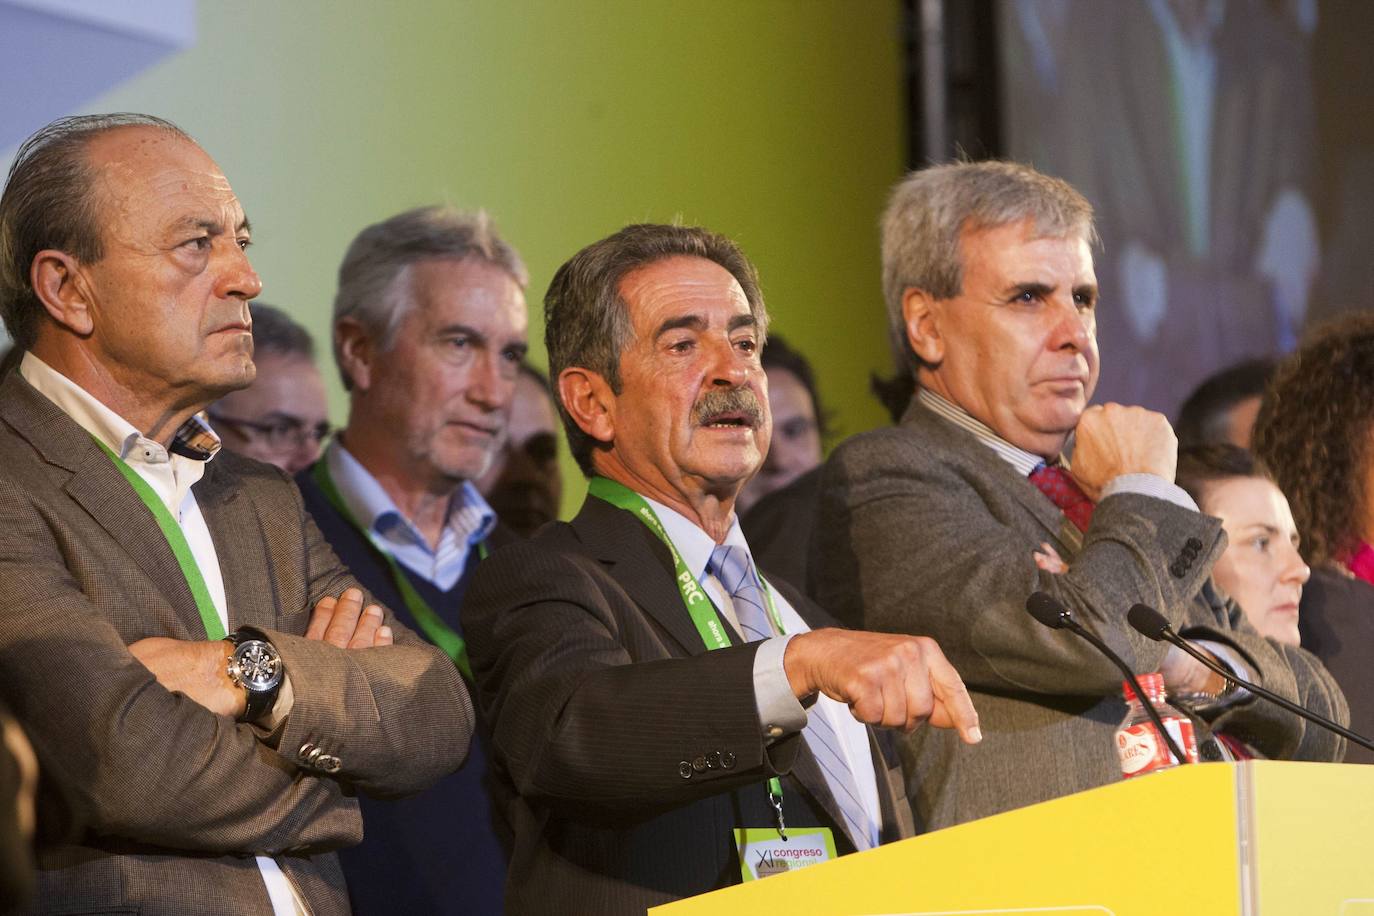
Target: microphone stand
1150	623
1054	615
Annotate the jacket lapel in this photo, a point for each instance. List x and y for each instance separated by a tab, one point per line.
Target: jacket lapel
250	597
98	487
898	821
985	464
642	565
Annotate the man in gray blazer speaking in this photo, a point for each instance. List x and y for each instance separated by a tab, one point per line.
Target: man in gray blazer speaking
946	523
194	667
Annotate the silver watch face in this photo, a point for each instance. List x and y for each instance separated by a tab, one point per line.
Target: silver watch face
257	665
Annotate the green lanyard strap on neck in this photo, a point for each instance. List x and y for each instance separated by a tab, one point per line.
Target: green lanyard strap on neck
694	598
176	539
429	621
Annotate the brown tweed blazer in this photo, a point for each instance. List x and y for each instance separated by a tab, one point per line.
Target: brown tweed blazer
176	801
923	529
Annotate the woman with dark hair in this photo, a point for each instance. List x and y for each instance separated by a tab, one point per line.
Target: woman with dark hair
1261	567
1315	433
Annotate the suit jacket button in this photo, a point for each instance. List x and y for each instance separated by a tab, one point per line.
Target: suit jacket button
1178	570
684	769
1193	544
727	760
713	760
699	764
329	763
304	752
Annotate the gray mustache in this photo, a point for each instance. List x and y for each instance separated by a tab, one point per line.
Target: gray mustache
719	402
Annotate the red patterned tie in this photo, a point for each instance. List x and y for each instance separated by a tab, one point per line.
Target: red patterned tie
1056	483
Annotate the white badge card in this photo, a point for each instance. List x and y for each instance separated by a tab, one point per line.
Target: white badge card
763	853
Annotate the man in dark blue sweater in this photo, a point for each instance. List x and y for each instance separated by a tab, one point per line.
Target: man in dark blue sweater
429	332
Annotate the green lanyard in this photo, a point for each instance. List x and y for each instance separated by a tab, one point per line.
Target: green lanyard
439	633
694	598
176	539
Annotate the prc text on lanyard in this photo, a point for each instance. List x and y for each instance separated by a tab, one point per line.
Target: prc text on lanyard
694	598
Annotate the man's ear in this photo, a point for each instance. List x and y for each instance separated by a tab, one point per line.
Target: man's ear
356	352
63	289
921	314
588	399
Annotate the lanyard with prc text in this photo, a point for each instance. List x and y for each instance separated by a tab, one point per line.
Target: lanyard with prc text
694	598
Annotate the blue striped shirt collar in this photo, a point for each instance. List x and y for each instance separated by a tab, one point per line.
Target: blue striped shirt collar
470	521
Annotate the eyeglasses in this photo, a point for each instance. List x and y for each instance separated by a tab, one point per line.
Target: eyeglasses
281	433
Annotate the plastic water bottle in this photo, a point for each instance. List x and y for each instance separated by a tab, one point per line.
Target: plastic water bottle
1138	743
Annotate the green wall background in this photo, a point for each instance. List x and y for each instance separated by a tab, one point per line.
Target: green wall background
777	122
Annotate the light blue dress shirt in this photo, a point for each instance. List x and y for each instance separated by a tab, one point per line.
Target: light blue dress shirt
470	520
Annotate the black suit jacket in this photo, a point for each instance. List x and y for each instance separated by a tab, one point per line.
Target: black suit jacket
626	752
778	528
1336	623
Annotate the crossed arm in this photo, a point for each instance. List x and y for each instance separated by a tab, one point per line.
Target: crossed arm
153	765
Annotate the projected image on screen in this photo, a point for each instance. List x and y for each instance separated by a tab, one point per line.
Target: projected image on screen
1191	125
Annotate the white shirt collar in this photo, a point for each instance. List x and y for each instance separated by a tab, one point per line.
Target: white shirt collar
693	544
118	434
171	475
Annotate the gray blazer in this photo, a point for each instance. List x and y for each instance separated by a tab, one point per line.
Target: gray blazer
176	800
926	530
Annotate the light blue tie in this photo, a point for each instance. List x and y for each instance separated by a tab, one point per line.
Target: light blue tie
735	570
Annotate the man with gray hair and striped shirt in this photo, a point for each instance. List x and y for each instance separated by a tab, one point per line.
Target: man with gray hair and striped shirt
429	333
946	523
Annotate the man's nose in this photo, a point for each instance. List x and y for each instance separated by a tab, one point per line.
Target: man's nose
491	384
1073	325
238	279
731	365
304	453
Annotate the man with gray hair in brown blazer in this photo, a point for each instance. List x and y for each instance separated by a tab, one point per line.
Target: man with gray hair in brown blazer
191	661
946	523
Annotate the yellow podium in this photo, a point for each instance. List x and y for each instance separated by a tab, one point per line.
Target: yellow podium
1270	837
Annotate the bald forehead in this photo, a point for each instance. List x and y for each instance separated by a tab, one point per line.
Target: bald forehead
139	165
132	146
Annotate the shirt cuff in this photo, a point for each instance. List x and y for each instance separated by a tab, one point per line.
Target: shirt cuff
1230	659
780	712
1150	485
281	708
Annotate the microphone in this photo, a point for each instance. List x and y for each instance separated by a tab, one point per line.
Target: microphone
1054	615
1152	624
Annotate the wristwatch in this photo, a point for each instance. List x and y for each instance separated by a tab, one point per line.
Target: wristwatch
256	666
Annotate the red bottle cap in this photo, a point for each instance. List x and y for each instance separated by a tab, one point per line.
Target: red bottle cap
1152	684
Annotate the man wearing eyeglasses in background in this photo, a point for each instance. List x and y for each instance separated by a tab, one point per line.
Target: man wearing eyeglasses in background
282	417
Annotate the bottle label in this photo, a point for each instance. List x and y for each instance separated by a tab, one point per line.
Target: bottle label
1141	750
